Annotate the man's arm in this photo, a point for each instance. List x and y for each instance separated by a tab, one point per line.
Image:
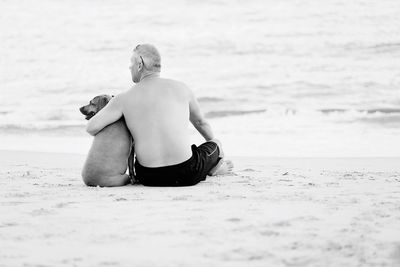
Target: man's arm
109	114
198	120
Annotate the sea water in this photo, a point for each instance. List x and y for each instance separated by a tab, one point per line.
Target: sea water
274	78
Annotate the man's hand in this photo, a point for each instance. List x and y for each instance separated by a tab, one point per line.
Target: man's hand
109	114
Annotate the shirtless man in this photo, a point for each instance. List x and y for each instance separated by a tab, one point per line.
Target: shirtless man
157	112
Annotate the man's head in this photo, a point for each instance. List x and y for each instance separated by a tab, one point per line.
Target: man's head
145	60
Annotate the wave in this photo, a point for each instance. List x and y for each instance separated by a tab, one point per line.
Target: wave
368	111
226	113
39	127
379	116
385	47
388	117
382	110
103	49
207	99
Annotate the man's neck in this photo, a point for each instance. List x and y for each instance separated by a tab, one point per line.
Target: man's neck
149	75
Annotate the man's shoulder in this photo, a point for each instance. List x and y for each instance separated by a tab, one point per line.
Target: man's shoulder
174	82
120	98
184	88
129	91
122	94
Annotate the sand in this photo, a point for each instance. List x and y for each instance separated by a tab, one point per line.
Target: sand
271	212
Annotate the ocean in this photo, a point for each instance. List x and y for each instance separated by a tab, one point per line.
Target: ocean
275	78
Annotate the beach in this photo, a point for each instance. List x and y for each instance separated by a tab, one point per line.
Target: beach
304	96
270	212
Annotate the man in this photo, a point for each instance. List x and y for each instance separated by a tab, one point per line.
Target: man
157	112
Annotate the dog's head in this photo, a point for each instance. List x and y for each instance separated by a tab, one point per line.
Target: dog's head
95	105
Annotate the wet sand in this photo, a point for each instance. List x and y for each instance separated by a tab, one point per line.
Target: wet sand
271	212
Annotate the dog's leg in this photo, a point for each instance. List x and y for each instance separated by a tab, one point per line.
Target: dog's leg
116	180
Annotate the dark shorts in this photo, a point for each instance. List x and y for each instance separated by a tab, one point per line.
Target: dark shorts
189	172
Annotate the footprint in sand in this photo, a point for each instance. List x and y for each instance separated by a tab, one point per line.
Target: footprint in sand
8	224
396	253
63	204
235	220
39	212
248	170
269	233
282	224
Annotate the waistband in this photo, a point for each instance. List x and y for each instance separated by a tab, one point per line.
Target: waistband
163	168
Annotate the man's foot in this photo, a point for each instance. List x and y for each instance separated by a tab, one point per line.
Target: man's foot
223	167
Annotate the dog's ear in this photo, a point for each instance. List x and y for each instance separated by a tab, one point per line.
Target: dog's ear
108	98
103	101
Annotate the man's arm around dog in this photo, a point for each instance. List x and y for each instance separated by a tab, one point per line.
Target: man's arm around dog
109	114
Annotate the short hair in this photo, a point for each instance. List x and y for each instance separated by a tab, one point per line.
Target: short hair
150	56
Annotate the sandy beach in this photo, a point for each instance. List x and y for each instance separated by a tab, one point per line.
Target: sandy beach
271	212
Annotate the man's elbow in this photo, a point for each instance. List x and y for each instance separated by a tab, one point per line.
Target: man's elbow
91	130
198	121
202	123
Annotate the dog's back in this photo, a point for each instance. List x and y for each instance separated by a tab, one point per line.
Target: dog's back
109	152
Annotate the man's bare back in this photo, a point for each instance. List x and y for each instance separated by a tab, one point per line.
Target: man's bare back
157	114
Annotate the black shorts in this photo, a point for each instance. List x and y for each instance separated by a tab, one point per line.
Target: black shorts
189	172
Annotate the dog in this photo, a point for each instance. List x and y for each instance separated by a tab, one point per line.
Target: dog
112	150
